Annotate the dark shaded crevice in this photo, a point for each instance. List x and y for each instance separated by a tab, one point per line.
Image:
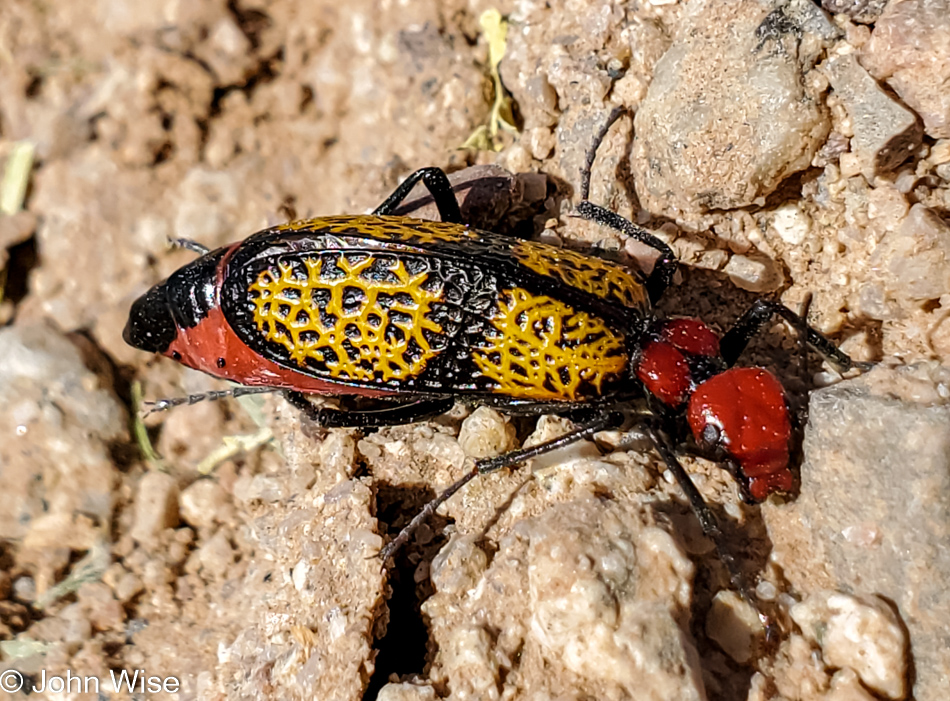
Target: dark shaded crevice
266	70
16	615
251	22
22	258
163	152
35	85
403	650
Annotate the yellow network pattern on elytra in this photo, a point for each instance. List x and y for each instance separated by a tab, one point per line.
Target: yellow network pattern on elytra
599	277
384	228
544	349
366	346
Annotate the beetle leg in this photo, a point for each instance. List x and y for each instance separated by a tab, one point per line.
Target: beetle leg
397	415
486	465
190	245
662	276
585	430
580	410
760	313
166	404
438	185
707	521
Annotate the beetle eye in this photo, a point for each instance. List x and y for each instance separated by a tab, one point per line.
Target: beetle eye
711	434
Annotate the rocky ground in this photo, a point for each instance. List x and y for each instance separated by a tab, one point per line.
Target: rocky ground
782	151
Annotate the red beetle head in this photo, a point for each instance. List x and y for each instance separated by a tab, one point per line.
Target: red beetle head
742	411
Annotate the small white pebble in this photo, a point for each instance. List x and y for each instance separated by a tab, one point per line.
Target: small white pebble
825	378
734	625
24	588
940	153
791	224
216	555
299	575
754	274
337	623
766	591
203	503
486	433
406	691
732	509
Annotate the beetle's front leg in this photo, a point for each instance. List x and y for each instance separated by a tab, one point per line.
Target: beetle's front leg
760	313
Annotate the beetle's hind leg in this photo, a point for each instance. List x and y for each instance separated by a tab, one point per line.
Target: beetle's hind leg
437	182
396	415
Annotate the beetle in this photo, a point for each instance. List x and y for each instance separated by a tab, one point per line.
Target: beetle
421	313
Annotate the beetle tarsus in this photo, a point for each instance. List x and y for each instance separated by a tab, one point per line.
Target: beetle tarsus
189	245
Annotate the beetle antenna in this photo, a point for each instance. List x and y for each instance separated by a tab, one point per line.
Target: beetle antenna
612	118
214	395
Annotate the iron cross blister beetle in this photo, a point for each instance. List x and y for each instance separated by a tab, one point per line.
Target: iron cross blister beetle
421	314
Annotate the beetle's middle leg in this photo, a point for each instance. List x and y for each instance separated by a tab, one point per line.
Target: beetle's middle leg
407	412
437	182
603	421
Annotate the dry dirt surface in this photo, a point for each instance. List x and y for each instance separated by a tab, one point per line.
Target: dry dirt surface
781	150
